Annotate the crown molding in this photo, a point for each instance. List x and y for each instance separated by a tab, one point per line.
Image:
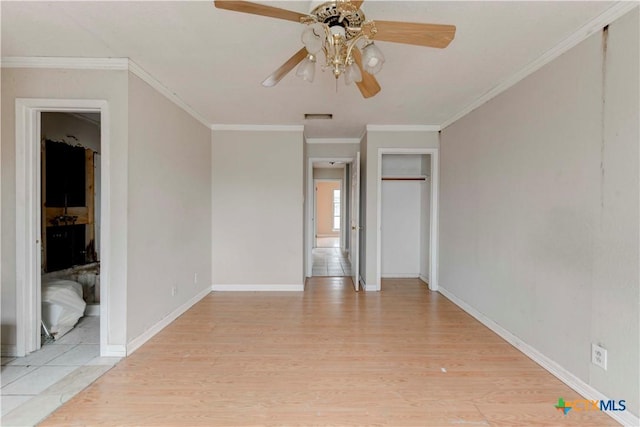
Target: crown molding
403	128
259	128
121	64
65	63
597	24
333	140
170	95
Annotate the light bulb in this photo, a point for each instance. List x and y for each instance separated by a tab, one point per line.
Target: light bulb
338	29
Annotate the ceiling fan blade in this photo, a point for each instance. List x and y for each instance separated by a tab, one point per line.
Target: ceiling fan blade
259	9
431	35
369	86
284	69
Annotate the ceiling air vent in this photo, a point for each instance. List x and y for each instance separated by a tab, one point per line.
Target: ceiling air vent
318	116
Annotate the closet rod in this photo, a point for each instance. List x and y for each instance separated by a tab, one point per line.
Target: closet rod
403	179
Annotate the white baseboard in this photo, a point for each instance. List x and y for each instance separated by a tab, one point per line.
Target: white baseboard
137	342
8	350
255	288
425	279
399	275
114	350
625	418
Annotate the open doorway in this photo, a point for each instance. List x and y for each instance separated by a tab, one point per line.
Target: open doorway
30	218
330	252
328	213
70	228
347	254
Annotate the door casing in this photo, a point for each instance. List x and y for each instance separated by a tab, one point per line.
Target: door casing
28	216
310	208
433	219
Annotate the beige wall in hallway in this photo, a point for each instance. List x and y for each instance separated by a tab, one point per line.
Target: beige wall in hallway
324	208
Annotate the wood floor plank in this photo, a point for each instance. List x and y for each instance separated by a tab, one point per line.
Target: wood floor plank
328	356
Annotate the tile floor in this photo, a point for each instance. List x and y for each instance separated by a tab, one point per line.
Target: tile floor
329	260
36	385
327	242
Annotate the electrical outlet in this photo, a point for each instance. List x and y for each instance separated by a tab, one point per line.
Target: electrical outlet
599	356
174	291
195	278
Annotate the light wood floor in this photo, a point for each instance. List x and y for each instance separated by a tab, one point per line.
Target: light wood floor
327	356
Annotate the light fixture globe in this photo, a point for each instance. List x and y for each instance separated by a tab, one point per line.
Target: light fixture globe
372	58
312	38
352	74
307	68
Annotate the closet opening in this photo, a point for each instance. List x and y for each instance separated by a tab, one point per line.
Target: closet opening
405	216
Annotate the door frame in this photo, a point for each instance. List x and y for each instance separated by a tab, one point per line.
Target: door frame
310	207
28	214
433	215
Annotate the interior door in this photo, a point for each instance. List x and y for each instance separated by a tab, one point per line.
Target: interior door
355	222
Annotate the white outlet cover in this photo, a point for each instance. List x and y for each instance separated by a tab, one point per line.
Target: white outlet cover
599	356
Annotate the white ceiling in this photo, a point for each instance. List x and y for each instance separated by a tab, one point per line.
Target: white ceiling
215	60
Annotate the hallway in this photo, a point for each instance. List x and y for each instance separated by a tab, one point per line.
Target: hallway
329	259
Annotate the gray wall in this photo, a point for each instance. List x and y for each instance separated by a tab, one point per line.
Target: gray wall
331	150
169	207
328	173
539	210
257	208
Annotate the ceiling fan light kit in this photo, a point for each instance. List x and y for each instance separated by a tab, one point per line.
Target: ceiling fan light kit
335	28
339	30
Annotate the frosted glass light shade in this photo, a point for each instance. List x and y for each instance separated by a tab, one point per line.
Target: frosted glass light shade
352	74
372	59
312	38
307	69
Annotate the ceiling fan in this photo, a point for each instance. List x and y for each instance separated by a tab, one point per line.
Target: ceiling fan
339	30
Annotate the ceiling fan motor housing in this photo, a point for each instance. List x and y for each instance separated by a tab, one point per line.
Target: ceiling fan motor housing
334	14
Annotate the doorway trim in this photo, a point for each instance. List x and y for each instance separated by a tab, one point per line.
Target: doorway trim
310	208
28	205
433	215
